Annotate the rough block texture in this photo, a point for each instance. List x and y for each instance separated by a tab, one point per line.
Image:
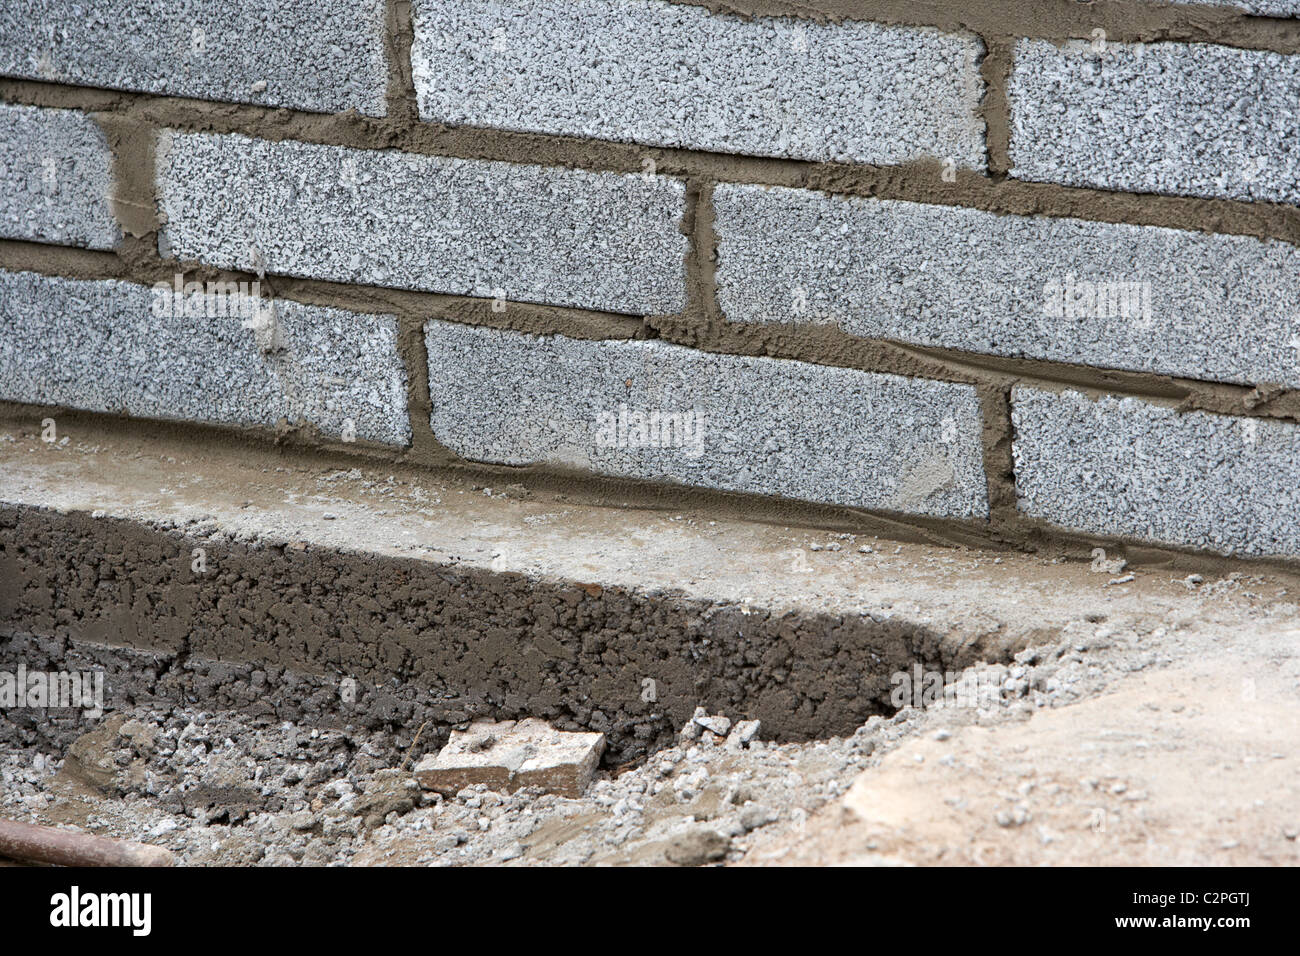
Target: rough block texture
1204	306
741	424
1124	467
508	756
55	178
1190	119
665	74
228	359
324	56
496	230
1267	8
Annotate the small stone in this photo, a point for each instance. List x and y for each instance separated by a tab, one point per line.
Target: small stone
451	841
715	723
1018	816
691	730
755	815
743	732
697	847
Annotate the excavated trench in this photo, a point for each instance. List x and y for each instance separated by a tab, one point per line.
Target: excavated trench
329	639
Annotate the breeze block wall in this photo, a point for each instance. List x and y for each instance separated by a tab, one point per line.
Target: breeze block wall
1025	271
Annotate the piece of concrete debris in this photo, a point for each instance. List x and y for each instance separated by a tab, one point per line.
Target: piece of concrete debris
714	723
690	732
742	733
509	756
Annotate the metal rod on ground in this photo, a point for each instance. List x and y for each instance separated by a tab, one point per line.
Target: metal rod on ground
37	844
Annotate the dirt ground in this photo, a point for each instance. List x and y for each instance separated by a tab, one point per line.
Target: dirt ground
1125	742
1141	714
1190	760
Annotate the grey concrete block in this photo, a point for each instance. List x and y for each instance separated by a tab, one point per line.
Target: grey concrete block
647	409
324	56
496	230
219	356
56	176
1190	119
1123	467
1139	298
1266	8
665	74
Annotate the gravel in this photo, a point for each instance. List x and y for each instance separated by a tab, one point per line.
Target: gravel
231	789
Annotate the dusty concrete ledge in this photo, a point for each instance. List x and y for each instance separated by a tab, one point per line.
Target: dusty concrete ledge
445	602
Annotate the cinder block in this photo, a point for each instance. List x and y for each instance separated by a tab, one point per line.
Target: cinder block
671	74
1139	298
221	356
1267	8
323	56
55	178
509	756
647	409
1124	467
496	230
1191	119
